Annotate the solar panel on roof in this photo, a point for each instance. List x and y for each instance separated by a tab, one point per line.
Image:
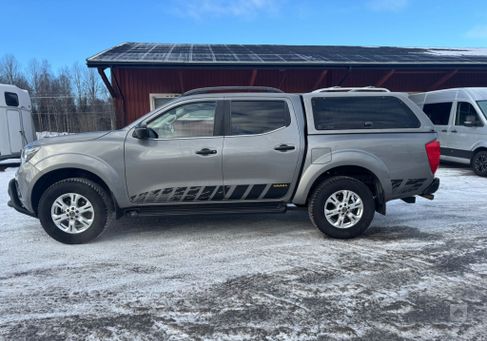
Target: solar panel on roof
225	57
161	49
155	56
292	57
248	57
202	57
177	57
201	49
271	57
281	54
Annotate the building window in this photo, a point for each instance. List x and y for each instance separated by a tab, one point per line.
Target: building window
158	100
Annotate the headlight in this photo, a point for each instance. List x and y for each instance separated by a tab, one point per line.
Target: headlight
28	153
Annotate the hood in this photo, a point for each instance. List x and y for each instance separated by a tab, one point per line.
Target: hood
69	138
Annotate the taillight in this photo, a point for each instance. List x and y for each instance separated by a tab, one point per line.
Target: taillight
433	152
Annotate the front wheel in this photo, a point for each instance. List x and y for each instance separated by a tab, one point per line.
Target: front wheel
342	207
479	163
74	211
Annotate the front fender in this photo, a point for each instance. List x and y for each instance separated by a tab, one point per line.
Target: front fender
312	171
92	164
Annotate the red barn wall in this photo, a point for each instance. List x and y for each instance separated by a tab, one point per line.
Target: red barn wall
133	85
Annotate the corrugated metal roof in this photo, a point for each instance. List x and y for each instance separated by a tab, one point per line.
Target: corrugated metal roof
220	54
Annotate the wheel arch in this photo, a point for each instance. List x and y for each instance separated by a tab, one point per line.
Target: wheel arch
359	172
479	149
59	174
473	166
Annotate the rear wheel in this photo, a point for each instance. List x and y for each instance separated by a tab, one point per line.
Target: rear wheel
342	207
74	211
479	163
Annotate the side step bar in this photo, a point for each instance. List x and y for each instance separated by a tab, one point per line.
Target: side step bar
195	209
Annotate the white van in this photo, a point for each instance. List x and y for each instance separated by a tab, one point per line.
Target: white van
460	118
16	124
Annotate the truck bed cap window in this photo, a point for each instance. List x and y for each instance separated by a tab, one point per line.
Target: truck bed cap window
370	112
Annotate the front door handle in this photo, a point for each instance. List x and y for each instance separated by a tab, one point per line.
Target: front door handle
444	131
454	131
206	151
284	148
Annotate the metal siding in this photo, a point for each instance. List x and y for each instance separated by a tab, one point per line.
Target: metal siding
467	79
137	83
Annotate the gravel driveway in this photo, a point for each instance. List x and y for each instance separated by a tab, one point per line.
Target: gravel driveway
418	273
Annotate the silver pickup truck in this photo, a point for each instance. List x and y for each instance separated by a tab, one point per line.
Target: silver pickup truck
342	153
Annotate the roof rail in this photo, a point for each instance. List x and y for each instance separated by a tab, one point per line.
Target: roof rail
215	89
359	89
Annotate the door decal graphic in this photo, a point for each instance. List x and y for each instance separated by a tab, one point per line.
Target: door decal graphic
212	193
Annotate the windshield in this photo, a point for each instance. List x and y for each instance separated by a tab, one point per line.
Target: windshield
483	107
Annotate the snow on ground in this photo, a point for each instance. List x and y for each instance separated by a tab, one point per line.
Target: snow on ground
418	273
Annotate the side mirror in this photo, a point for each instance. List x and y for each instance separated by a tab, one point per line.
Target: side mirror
141	133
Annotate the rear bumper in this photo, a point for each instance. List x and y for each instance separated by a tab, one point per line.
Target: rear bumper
432	188
14	201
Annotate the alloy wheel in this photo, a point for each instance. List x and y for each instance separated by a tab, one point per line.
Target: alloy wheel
72	213
344	209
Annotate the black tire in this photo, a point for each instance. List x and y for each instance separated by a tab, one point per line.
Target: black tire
325	190
479	163
98	198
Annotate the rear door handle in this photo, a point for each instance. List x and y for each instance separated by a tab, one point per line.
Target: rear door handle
284	148
454	131
444	131
206	151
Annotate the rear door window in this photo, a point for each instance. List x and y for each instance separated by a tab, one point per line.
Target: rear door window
438	113
370	112
258	117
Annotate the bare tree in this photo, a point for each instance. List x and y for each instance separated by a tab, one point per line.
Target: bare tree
9	68
73	99
77	78
11	73
93	85
33	74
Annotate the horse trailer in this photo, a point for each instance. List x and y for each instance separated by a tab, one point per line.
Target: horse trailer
16	124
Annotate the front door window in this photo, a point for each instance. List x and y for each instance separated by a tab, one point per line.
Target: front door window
467	115
187	120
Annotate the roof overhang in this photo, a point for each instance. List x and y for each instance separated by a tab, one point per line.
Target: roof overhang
465	65
153	55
